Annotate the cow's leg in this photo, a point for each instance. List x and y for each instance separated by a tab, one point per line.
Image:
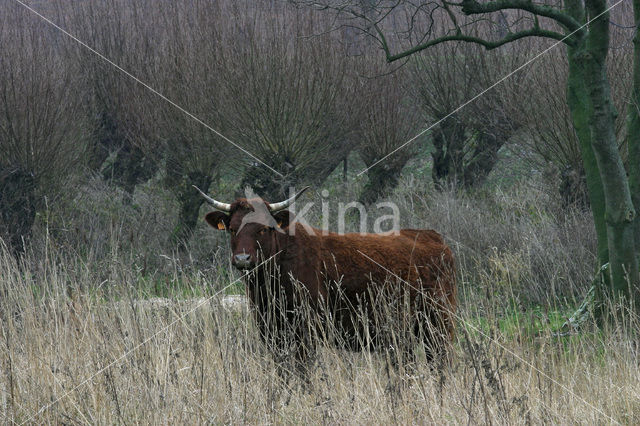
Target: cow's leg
435	339
403	358
296	348
400	347
303	361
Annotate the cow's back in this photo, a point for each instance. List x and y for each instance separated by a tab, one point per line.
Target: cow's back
348	274
412	255
358	269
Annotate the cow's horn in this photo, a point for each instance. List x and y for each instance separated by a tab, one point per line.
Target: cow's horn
217	204
286	203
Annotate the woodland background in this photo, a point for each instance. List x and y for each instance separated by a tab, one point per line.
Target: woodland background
97	214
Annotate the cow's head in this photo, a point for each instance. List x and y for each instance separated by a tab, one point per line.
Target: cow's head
253	224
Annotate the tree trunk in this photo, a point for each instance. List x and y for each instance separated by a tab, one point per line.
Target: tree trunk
633	130
190	201
579	104
345	168
619	211
381	179
448	141
121	162
267	184
451	165
129	168
17	207
485	157
573	188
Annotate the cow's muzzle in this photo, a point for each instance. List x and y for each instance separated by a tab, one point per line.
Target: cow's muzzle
242	261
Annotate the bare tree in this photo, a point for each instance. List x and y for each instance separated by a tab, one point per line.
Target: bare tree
118	30
466	143
388	120
253	72
286	97
404	28
151	117
41	121
189	68
550	131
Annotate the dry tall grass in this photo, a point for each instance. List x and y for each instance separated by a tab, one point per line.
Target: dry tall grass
77	345
77	351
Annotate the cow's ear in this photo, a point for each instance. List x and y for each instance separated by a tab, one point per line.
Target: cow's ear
218	220
283	218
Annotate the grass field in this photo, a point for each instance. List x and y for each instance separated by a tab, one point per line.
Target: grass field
79	343
72	354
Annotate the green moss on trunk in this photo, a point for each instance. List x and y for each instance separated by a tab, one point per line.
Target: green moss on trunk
633	133
619	211
579	105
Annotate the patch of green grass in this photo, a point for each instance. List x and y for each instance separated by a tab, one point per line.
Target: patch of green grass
235	288
187	287
515	323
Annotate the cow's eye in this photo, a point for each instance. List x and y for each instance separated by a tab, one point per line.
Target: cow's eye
233	232
262	231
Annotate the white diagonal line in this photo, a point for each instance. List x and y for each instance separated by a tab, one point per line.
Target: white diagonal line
496	342
487	89
144	342
137	80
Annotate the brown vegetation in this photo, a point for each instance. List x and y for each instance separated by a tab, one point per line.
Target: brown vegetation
78	345
95	189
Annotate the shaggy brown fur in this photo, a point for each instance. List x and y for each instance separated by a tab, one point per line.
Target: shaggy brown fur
343	279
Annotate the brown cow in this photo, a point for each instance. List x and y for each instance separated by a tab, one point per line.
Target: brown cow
302	281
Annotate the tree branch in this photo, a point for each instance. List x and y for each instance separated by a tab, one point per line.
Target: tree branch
533	32
473	7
